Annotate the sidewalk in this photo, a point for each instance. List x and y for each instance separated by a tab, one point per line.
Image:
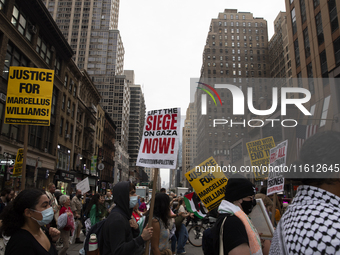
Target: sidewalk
74	248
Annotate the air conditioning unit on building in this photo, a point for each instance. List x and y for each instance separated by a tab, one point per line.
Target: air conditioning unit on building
33	29
46	150
69	111
67	136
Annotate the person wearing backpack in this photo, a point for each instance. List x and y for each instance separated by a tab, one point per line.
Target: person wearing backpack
116	236
239	236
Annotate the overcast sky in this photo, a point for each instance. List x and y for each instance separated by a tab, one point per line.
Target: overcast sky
164	42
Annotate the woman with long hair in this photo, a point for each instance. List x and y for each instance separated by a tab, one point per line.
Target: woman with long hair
160	224
94	209
24	219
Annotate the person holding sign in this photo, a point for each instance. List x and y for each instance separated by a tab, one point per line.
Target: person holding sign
239	236
117	237
310	225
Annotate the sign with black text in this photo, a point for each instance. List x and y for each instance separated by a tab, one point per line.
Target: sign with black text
29	96
278	156
160	141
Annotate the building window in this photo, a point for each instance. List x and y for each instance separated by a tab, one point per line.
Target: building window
57	66
44	50
303	11
73	109
63	102
35	136
310	78
21	23
70	86
66	129
2	4
319	29
306	40
333	16
13	58
10	131
323	63
61	126
324	111
74	90
65	81
297	53
316	3
293	21
336	44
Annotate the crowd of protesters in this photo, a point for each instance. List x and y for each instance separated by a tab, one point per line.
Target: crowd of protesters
46	222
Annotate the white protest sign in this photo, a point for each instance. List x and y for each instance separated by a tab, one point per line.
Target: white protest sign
84	185
278	156
160	141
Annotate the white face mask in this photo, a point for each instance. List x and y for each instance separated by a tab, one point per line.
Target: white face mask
133	201
47	216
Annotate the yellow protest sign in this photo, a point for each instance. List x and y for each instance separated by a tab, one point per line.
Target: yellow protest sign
259	154
29	96
18	162
209	182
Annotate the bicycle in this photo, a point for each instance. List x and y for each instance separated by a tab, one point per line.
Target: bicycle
195	233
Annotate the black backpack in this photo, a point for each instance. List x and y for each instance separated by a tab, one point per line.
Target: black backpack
95	229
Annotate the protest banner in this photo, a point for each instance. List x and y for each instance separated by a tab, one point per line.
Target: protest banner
209	182
160	140
84	185
18	162
259	152
278	157
29	96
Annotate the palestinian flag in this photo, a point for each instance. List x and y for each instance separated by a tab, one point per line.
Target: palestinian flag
192	205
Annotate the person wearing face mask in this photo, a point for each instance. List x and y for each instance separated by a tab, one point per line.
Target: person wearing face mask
24	221
76	207
118	235
239	234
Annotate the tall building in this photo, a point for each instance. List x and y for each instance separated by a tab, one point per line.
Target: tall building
279	58
314	40
189	148
90	27
136	123
236	52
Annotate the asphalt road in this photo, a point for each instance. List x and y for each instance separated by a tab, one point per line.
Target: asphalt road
191	250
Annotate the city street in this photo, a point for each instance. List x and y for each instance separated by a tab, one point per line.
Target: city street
191	250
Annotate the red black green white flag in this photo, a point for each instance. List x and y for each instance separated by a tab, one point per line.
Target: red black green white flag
193	207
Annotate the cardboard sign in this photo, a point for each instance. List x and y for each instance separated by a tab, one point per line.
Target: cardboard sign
261	221
29	96
160	140
208	182
259	152
18	162
278	156
84	185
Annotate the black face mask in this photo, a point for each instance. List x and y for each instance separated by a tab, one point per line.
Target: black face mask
248	206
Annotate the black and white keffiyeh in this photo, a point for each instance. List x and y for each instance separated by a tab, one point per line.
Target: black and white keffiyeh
310	225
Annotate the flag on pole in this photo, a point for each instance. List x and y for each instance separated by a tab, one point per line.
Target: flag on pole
192	206
303	132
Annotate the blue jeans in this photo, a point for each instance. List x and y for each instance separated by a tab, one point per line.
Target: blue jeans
173	243
182	239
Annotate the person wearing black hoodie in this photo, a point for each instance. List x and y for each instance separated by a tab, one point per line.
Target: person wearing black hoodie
117	237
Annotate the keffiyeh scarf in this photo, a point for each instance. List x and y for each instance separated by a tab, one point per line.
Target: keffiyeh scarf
310	225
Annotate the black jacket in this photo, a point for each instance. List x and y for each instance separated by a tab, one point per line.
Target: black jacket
116	236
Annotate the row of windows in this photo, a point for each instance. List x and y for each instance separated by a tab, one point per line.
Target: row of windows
238	44
244	24
237	31
257	38
234	72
